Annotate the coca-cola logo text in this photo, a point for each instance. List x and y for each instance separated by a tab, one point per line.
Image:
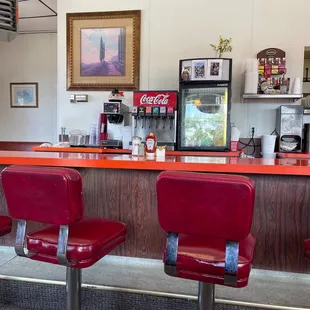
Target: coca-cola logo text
160	99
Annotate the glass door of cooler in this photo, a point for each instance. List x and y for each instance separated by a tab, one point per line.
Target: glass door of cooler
203	118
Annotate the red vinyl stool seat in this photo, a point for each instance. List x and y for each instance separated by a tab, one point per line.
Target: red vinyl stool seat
307	249
203	259
208	220
54	196
5	225
85	245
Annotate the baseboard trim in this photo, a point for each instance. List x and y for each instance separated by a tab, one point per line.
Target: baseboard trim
152	293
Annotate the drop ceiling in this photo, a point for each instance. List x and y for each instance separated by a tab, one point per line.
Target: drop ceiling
37	16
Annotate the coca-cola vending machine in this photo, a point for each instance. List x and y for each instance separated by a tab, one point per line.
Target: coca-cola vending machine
155	111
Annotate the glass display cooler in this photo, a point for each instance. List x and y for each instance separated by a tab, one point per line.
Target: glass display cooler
204	106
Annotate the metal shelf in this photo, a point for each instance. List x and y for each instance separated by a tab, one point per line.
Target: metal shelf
290	97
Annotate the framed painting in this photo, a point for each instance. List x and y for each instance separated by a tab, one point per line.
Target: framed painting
103	50
24	95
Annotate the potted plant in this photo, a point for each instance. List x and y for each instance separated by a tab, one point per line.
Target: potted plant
223	46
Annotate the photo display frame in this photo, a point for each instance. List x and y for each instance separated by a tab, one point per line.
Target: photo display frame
205	69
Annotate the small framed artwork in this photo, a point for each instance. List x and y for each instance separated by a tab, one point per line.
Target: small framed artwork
24	95
215	69
186	71
199	70
103	50
186	74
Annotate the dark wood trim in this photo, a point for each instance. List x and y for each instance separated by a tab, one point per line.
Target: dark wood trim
33	17
38	32
18	145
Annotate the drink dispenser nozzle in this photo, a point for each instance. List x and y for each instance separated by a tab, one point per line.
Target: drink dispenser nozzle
141	112
134	113
163	115
148	114
156	115
170	114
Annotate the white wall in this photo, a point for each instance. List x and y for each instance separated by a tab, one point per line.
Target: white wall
177	29
306	87
29	58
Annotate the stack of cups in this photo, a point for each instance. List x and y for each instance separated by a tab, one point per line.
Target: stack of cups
234	140
93	135
251	76
296	90
268	144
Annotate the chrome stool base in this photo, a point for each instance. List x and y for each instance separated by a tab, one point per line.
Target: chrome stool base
206	296
73	288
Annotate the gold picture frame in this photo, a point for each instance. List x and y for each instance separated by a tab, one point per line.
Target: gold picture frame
103	50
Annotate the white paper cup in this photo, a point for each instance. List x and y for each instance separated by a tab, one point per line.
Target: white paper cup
269	155
268	144
268	162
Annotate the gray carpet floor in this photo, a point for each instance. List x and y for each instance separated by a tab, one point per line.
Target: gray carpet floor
16	295
265	287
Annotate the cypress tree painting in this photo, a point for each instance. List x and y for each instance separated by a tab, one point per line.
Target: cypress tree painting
103	52
121	45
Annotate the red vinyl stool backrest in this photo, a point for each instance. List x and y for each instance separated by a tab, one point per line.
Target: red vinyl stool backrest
218	206
43	194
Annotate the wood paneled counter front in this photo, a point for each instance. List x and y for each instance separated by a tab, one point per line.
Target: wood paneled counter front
121	187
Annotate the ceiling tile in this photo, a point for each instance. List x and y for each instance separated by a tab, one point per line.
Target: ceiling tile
33	8
48	24
44	10
51	3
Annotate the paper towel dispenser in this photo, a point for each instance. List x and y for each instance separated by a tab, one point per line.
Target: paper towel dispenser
8	20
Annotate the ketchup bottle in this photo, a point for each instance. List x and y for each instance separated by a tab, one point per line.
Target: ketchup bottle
150	145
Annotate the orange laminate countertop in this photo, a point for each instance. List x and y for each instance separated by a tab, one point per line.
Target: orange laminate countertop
122	151
294	155
185	163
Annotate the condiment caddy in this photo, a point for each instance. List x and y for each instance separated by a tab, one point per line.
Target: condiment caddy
149	149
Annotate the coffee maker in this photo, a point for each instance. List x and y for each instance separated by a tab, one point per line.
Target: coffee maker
113	112
155	111
289	126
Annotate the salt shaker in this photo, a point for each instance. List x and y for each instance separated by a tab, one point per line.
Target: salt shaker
136	142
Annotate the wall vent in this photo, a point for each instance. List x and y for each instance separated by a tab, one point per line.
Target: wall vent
8	20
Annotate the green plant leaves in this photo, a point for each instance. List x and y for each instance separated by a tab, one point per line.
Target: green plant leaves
223	46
